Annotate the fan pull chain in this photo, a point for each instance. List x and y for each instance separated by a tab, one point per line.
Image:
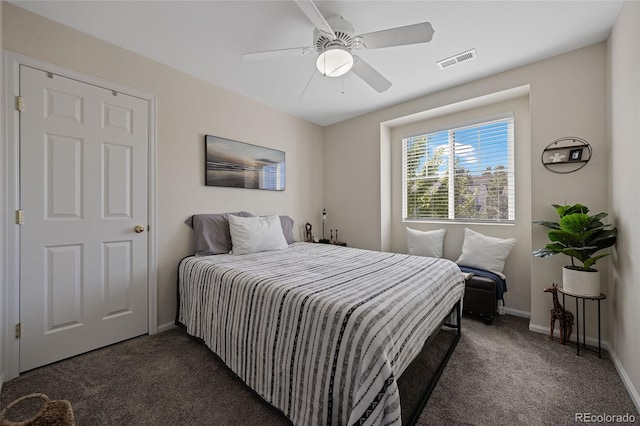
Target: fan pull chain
324	59
308	82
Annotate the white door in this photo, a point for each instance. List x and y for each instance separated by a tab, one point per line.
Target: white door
83	192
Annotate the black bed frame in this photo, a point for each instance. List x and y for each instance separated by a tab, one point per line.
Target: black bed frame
443	362
432	383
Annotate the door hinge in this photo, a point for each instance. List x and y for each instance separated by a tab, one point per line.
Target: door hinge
18	330
19	103
19	217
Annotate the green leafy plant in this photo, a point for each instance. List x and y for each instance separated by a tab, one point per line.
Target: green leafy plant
578	235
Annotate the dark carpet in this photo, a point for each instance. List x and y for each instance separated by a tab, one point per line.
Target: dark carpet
498	375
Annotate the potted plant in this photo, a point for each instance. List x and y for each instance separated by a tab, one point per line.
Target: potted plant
580	236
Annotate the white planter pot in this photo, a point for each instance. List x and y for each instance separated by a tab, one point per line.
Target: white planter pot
582	283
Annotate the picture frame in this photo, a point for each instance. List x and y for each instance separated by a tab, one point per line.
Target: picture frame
575	154
236	164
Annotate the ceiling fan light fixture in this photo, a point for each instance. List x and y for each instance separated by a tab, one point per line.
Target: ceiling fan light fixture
334	62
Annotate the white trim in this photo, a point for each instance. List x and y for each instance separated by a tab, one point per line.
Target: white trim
10	199
166	326
152	255
593	342
517	312
11	203
633	392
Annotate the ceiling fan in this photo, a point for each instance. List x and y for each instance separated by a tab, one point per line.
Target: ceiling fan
334	40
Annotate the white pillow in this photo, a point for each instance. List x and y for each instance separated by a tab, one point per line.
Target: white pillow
425	243
483	252
256	234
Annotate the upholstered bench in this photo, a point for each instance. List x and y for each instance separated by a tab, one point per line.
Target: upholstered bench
483	290
480	298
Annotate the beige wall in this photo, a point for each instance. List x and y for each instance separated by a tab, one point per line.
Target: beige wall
187	109
624	130
567	98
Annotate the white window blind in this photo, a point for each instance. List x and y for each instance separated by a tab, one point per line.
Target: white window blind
464	173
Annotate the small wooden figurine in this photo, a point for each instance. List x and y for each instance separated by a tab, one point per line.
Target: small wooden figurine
308	236
565	318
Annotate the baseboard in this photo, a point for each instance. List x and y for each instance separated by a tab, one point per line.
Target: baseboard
556	333
166	326
633	392
517	312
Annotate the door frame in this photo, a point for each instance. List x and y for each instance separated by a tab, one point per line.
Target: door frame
10	199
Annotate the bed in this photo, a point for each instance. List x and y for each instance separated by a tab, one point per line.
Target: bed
319	331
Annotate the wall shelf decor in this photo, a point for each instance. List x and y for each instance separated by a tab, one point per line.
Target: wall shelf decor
566	155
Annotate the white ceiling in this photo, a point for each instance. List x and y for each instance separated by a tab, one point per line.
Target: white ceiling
207	38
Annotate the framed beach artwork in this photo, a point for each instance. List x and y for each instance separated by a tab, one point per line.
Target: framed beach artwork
243	165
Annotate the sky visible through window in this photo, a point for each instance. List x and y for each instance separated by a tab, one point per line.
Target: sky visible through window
468	143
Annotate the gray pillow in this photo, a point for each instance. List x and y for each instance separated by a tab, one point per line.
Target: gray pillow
212	232
287	228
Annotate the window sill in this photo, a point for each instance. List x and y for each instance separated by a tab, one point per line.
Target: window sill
460	222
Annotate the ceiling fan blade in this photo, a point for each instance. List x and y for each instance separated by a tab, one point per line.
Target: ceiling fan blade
274	54
316	18
369	75
399	36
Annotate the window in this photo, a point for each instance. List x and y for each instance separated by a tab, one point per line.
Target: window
464	173
273	177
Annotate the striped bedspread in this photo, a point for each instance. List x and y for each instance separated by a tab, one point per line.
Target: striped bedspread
321	332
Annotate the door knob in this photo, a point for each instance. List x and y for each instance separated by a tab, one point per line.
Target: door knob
139	229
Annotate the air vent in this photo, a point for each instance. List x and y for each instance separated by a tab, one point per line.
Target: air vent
456	59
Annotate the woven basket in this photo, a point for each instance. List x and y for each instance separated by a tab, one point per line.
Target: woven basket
52	413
